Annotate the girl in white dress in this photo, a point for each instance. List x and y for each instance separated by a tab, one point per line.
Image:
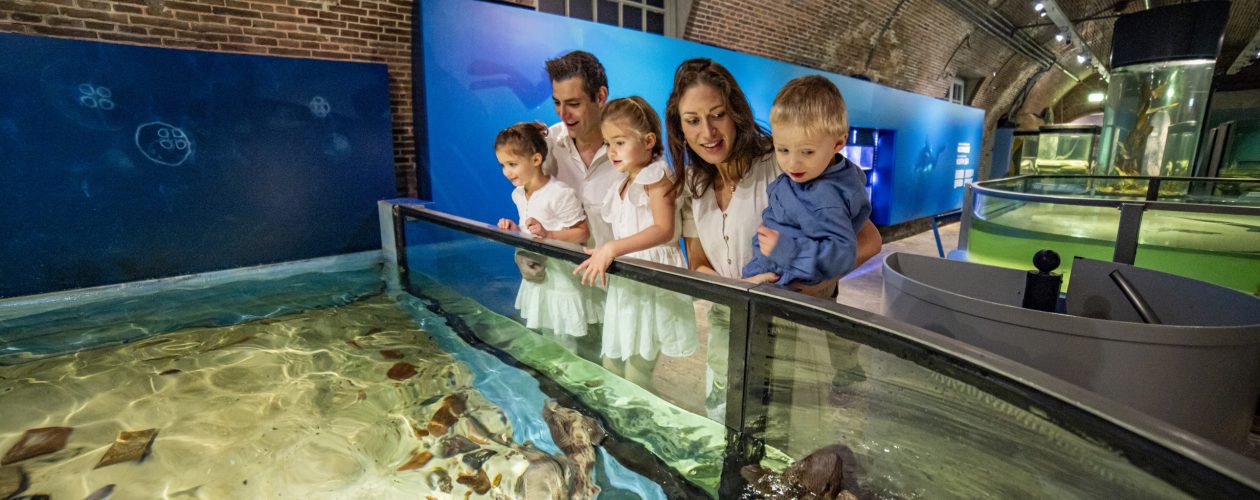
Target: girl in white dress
640	320
550	298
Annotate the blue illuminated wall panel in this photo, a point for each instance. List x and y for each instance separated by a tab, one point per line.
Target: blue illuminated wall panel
483	70
121	163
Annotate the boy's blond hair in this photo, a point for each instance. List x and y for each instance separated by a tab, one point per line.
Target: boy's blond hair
812	103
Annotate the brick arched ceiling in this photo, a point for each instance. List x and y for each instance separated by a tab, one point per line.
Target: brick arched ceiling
920	45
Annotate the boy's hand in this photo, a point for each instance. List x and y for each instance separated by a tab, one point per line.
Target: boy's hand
532	225
767	238
763	278
508	225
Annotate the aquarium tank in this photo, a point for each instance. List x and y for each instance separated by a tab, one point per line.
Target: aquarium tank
1151	122
1024	152
1242	151
1066	150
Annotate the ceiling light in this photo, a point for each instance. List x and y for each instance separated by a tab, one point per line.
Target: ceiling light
1043	13
1039	6
1095	97
1080	58
1059	36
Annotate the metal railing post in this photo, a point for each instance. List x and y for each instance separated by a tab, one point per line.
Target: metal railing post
1128	232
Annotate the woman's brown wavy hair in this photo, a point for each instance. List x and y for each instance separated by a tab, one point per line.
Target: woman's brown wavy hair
751	142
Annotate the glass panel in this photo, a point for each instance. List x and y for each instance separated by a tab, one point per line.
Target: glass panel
582	9
1223	192
641	357
1025	152
1153	117
655	23
1008	232
656	3
608	10
1216	248
903	431
1065	152
1242	159
552	6
632	17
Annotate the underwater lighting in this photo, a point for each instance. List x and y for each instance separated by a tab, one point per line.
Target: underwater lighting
1095	97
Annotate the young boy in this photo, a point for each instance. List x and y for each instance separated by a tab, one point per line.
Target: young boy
809	230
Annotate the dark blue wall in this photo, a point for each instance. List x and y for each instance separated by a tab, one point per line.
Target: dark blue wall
483	70
120	163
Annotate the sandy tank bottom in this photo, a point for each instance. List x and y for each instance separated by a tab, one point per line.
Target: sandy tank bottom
349	402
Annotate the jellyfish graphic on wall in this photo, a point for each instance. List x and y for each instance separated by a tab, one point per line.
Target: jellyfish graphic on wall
163	143
319	107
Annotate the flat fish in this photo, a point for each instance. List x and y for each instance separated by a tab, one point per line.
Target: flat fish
402	371
128	447
36	442
13	480
543	478
577	435
102	493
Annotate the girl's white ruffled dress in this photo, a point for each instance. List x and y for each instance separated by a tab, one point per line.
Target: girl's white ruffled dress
559	302
640	318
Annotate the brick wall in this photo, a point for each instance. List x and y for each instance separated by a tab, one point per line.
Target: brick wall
377	31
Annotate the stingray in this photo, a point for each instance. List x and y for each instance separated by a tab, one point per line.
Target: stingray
36	442
129	447
576	435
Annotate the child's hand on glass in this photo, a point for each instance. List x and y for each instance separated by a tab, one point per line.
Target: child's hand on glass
536	228
508	225
593	269
767	238
763	278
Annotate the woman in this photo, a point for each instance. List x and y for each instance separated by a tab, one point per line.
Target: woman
726	161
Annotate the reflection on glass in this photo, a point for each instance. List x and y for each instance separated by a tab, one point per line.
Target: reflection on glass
1242	155
1024	153
903	431
660	405
1216	248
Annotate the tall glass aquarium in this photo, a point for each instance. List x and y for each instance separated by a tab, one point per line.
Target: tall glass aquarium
1154	116
1024	152
1066	150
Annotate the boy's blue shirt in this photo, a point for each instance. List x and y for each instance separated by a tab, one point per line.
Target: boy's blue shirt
817	223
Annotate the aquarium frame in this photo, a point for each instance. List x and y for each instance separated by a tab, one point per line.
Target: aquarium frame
1183	460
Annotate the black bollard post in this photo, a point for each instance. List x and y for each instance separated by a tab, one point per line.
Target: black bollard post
1041	287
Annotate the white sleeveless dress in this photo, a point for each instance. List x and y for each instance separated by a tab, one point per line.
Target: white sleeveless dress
558	303
641	319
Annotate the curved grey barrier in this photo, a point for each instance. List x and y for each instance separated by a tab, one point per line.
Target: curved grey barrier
1199	370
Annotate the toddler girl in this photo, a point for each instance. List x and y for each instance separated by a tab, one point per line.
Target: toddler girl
550	298
640	320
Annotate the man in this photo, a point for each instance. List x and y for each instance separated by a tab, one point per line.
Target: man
579	90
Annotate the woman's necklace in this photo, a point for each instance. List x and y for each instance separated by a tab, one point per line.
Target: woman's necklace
728	182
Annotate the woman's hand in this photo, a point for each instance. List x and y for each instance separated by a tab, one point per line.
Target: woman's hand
822	290
533	226
767	238
763	278
508	225
594	268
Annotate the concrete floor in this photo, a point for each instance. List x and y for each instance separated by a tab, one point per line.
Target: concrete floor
863	288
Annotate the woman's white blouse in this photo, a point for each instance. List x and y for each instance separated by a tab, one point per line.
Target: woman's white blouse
555	205
726	237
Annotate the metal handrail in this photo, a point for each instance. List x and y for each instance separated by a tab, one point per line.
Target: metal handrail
988	188
1159	448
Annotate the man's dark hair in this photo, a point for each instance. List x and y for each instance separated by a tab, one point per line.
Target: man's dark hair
579	64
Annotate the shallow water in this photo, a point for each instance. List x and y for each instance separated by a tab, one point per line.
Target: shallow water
291	406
